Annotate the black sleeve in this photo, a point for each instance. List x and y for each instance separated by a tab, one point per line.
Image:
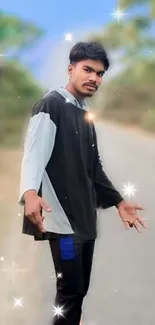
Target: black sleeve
106	194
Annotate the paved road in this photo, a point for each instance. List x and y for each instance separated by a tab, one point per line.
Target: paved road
122	290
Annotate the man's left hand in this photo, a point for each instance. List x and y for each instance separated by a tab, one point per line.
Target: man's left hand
128	213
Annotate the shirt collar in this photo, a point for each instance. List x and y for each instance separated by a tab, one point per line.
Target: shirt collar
70	98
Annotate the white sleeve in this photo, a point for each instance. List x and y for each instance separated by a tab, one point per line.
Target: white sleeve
38	147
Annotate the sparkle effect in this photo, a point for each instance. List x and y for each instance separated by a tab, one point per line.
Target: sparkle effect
68	37
67	100
129	189
59	275
118	14
2	258
18	302
13	270
58	311
90	116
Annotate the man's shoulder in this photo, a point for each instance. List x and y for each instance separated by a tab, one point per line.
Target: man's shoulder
52	96
49	103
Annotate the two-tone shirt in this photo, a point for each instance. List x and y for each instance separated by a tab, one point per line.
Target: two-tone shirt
61	162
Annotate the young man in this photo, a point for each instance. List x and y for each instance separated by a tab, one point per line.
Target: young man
63	182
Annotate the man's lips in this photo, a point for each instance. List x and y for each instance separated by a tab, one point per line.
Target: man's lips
91	86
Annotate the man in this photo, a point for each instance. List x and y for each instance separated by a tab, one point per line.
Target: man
63	182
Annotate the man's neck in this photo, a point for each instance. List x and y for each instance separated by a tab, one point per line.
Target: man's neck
74	92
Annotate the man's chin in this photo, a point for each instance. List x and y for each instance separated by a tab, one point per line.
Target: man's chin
89	93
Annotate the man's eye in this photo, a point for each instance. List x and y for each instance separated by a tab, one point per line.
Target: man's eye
86	69
101	74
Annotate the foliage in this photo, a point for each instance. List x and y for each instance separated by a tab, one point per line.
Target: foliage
129	95
16	34
18	89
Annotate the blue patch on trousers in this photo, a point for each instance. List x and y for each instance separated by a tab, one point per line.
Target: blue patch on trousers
66	248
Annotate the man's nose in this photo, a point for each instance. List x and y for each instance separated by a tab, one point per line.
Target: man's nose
93	78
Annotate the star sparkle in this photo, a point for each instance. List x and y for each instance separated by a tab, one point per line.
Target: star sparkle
58	311
118	14
68	37
67	100
18	302
59	275
129	189
13	270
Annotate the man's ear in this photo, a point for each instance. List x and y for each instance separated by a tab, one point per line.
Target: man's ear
70	70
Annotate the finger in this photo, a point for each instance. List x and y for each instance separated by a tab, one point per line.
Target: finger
41	226
31	217
37	217
141	221
45	206
139	207
42	218
136	225
126	225
38	220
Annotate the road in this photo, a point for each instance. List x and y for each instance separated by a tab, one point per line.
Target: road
122	289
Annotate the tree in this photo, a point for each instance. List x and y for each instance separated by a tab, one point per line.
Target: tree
18	88
131	3
16	34
129	95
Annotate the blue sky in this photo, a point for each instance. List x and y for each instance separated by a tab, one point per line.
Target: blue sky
58	17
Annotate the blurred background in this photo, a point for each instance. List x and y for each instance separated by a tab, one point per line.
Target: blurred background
35	40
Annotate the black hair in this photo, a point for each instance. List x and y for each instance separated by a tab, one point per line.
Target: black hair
89	50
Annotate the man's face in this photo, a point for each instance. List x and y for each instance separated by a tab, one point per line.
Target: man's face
86	76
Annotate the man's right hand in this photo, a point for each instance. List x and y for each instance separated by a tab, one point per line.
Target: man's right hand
33	206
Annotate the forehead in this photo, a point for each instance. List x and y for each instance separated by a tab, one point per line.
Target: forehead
94	64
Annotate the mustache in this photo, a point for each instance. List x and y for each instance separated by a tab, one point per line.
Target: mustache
92	85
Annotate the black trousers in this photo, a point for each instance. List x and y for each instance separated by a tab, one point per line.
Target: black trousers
72	259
